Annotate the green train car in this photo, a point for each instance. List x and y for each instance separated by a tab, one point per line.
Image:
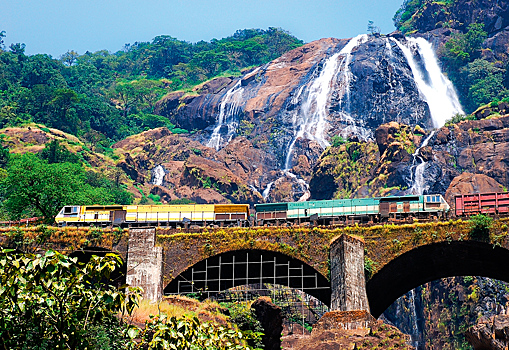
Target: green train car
378	209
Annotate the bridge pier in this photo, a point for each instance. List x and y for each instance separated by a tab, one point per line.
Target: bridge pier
349	301
145	262
348	283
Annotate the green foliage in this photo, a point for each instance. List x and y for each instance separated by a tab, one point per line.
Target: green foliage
162	333
369	267
486	82
181	201
338	140
115	94
245	318
464	47
53	152
54	302
403	17
480	227
33	187
479	81
155	198
458	118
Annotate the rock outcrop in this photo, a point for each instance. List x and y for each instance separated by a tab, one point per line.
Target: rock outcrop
470	156
492	334
350	330
269	105
271	320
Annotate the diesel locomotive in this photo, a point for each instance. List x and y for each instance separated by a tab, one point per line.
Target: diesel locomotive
360	210
154	215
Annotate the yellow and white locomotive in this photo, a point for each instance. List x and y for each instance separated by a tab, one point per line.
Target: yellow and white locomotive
154	215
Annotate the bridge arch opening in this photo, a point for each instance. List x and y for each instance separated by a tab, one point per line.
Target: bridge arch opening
432	262
228	270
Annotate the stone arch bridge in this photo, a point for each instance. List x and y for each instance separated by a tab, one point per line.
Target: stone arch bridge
329	263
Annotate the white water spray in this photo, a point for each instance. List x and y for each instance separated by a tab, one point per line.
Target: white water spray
158	175
434	87
266	191
303	185
311	120
418	169
415	325
228	108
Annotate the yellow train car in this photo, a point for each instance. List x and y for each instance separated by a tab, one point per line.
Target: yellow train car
154	215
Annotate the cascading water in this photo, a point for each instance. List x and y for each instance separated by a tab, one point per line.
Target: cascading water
310	121
435	88
417	170
415	325
266	191
158	175
228	109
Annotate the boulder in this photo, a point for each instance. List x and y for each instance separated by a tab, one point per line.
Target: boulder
271	320
471	183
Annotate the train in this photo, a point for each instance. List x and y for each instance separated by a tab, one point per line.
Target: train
316	212
326	212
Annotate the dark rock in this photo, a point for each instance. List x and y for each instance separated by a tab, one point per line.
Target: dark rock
490	334
271	320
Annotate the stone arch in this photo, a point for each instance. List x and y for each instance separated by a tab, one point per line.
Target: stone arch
431	262
118	277
250	266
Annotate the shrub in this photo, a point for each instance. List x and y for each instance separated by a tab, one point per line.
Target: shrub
480	227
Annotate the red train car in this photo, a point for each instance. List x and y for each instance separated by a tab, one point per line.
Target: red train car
482	203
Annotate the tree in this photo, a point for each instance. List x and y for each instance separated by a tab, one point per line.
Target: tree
372	29
62	110
2	36
464	48
53	152
52	301
35	188
69	58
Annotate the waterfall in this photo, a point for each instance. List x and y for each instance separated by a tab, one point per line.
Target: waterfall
266	191
228	109
158	175
417	170
415	326
310	121
304	186
433	85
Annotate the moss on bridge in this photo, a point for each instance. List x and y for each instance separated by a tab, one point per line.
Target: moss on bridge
308	244
311	245
64	239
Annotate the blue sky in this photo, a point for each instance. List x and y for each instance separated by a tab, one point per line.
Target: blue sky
56	26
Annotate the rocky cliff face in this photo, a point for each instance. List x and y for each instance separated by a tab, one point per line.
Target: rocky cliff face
290	109
438	314
470	156
459	15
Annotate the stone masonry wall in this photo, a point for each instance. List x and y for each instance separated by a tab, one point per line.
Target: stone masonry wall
144	263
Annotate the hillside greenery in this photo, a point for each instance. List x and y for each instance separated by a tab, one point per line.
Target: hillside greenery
103	97
40	185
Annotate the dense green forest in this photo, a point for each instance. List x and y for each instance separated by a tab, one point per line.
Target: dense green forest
103	97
